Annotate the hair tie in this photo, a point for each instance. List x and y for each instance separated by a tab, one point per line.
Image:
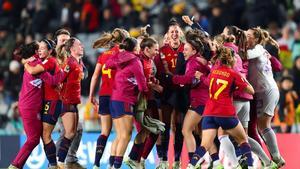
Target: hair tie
48	44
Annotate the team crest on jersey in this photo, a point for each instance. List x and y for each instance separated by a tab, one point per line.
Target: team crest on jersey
36	83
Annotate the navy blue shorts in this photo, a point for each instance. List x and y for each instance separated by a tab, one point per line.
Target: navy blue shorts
199	110
119	109
52	109
104	108
69	108
212	122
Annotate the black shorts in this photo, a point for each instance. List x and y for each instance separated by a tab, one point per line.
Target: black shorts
104	108
119	109
69	108
199	110
52	109
212	122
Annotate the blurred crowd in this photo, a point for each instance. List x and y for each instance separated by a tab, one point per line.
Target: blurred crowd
22	21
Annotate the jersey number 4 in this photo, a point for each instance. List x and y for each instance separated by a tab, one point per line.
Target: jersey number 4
223	83
106	71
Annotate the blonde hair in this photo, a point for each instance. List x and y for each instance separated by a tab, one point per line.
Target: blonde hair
109	39
263	37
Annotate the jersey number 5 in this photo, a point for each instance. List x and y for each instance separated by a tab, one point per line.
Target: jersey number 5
223	83
106	71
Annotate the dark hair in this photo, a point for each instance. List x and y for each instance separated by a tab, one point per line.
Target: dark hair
225	55
147	42
195	38
28	50
128	44
50	46
290	78
173	22
240	40
62	32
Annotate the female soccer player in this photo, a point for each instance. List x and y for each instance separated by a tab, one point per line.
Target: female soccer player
219	110
234	38
174	99
199	93
149	49
61	36
32	94
267	93
129	81
111	40
52	104
70	94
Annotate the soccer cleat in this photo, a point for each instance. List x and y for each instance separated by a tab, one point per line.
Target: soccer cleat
272	165
95	167
176	165
243	162
237	167
74	165
163	165
132	164
12	167
143	164
61	165
219	166
190	166
279	161
54	167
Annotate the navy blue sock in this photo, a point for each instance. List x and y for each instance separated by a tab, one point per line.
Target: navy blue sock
50	151
165	138
63	149
199	153
101	142
197	139
214	156
237	148
191	155
178	141
118	161
246	151
136	151
159	151
111	160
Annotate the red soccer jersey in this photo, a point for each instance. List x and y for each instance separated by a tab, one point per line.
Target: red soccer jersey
71	86
168	54
222	82
50	92
108	75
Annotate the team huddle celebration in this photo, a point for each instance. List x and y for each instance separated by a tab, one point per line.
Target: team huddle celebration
205	85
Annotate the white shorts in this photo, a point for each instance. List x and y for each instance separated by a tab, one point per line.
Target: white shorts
266	102
242	109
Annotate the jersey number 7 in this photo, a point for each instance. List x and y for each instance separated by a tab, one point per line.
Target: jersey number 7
223	83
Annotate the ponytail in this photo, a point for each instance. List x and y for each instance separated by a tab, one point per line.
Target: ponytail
61	54
225	55
109	39
268	39
129	44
